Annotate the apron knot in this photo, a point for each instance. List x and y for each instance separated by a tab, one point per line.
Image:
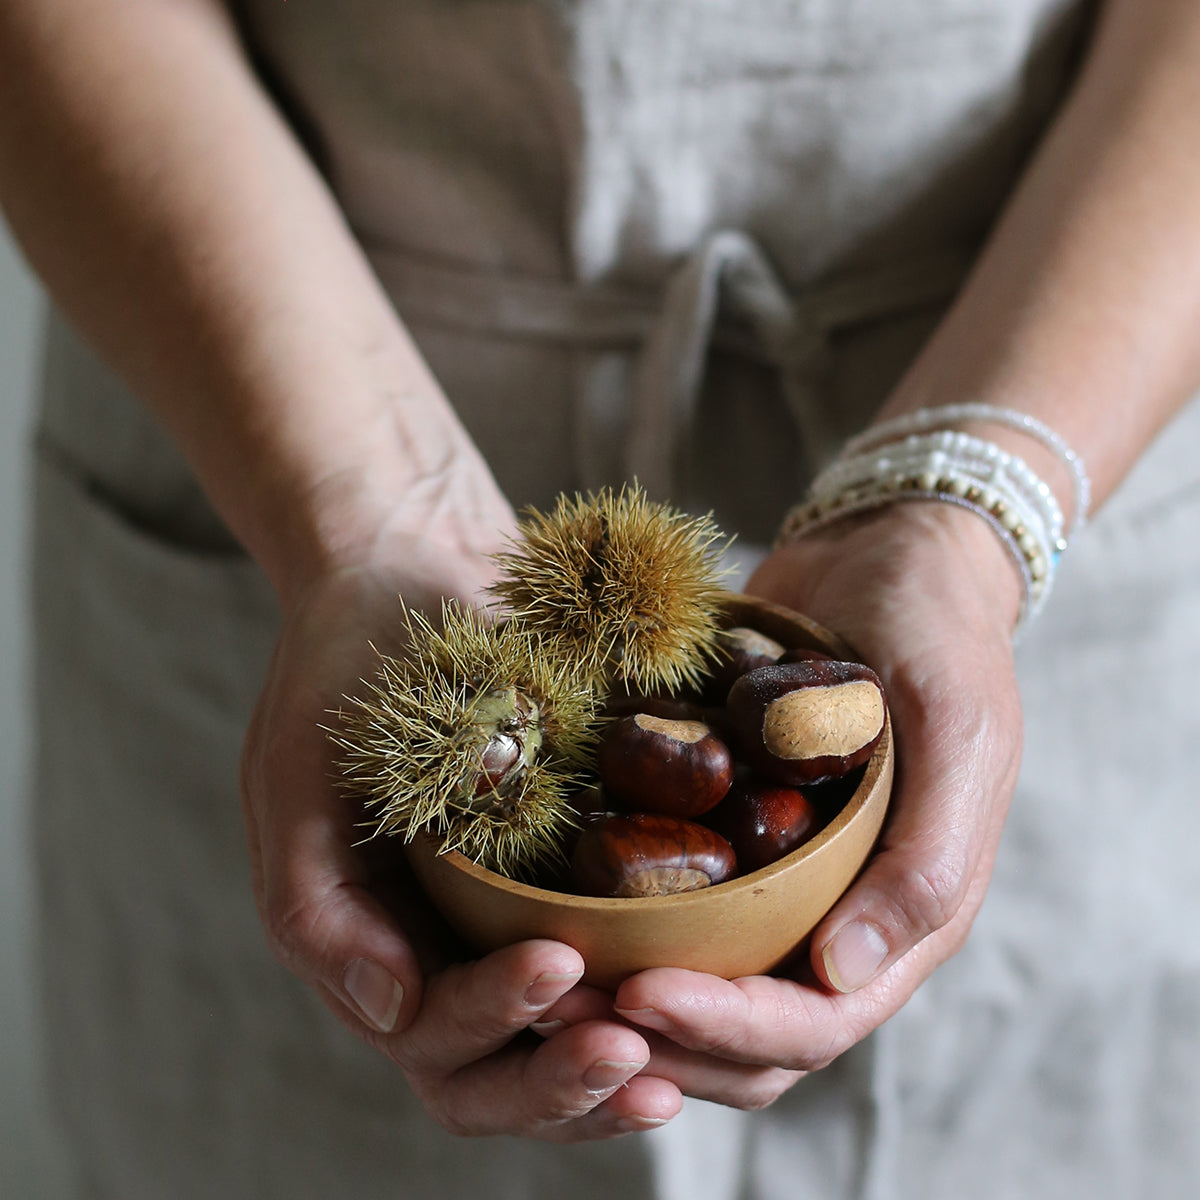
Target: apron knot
727	276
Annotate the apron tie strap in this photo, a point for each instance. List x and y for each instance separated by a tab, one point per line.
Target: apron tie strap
634	413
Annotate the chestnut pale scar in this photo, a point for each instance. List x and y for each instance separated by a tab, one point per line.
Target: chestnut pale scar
814	722
689	732
663	881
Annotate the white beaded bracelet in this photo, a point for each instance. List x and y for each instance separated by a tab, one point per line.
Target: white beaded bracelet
935	453
924	419
882	466
1030	553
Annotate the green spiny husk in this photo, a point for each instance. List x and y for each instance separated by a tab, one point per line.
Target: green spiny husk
629	590
410	745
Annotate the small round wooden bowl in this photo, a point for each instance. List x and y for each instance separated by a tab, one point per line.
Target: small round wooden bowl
747	926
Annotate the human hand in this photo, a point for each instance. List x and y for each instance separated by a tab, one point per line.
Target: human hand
927	596
347	920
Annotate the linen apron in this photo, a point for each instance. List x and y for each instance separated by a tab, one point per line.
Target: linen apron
695	241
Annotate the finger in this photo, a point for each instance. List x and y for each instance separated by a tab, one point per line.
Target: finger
540	1092
581	1003
643	1104
473	1009
743	1085
725	1064
757	1021
773	1022
646	1102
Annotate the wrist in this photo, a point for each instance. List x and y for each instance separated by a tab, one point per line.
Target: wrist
381	515
896	555
964	541
926	455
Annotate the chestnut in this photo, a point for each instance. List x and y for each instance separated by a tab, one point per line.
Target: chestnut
660	764
763	821
589	803
739	650
804	654
805	722
647	854
499	756
630	704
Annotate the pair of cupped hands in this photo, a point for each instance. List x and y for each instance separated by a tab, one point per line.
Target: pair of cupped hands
513	1042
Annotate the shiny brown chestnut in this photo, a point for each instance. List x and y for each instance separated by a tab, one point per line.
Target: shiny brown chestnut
648	854
805	722
804	654
501	755
740	649
659	764
670	708
763	821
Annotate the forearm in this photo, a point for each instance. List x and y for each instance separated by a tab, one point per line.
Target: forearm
1083	308
172	215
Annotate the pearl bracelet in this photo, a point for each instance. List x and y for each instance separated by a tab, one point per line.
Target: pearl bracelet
1027	549
935	454
924	419
882	466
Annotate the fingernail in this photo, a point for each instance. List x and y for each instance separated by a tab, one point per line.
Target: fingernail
604	1074
376	993
854	955
650	1017
547	988
639	1124
546	1028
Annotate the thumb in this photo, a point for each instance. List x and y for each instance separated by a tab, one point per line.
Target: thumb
321	920
326	927
935	856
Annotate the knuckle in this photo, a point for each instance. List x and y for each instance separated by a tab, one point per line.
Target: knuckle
396	1047
720	1040
458	1012
293	930
766	1088
727	1031
561	1109
819	1057
930	893
454	1124
418	1062
820	1052
479	1023
435	1098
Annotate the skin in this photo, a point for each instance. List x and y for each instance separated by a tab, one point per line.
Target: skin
174	218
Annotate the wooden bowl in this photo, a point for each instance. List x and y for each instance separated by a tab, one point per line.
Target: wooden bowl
747	926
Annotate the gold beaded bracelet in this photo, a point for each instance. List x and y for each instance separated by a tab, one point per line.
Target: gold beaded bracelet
1019	526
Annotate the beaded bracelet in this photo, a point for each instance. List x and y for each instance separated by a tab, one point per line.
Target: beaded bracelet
1029	552
935	453
955	468
924	419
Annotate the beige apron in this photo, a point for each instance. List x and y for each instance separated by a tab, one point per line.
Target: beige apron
695	241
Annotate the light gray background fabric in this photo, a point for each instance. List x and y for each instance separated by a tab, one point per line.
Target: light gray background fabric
28	1151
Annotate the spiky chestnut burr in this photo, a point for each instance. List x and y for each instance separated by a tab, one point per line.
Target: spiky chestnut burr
628	588
476	735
